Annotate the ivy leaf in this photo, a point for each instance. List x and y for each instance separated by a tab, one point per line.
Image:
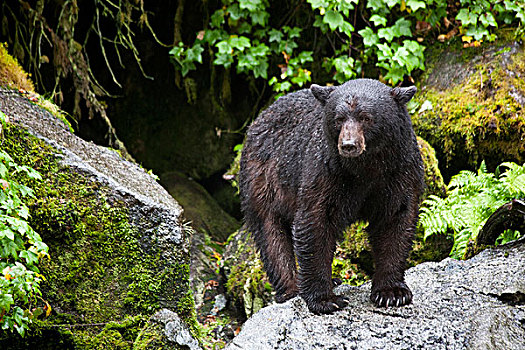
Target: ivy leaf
477	32
378	20
416	5
211	36
391	3
488	20
194	54
3	170
466	17
386	33
402	28
333	19
8	233
259	17
370	38
274	35
240	43
217	19
317	4
224	47
223	59
250	5
375	5
261	70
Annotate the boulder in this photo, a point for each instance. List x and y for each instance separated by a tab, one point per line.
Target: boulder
119	252
470	105
473	304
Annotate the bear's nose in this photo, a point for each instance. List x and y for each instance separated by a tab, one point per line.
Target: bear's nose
349	146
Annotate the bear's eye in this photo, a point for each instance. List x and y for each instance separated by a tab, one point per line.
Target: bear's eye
339	119
365	117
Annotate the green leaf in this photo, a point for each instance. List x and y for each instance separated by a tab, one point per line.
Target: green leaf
333	19
466	17
217	19
3	171
260	18
378	20
223	59
477	32
402	28
416	5
386	33
375	5
8	233
317	4
194	54
250	5
240	43
488	20
370	38
391	3
274	35
6	300
224	47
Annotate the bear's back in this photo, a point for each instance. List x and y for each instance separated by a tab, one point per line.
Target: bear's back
284	125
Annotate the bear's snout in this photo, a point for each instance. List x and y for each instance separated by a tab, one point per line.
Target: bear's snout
351	140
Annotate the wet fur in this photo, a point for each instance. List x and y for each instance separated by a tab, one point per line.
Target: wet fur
298	192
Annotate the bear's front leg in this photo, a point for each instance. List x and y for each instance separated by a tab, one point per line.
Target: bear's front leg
391	241
314	245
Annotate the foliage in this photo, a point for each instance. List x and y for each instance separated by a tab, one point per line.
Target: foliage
21	248
347	34
472	198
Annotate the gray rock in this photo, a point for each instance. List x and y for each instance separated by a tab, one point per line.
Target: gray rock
175	330
473	304
152	211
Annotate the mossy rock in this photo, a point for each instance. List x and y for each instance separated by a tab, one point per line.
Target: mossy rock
434	184
470	106
118	250
11	74
205	214
247	283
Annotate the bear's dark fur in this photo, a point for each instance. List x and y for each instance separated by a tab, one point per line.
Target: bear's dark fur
316	161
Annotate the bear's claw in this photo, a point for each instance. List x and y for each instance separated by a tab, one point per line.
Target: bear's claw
328	305
397	295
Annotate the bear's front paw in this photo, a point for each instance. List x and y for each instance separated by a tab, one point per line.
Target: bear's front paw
328	305
283	297
396	295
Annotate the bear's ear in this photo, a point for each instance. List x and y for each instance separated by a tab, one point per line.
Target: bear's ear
322	93
403	95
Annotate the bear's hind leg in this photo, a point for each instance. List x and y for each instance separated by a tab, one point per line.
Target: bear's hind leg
276	248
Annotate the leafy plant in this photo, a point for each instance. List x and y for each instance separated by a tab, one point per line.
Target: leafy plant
388	34
472	198
20	249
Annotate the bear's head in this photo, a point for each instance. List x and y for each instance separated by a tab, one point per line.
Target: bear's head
363	113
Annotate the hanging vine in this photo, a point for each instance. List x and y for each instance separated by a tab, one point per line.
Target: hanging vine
35	36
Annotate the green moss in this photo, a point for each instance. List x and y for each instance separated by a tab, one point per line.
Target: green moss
352	261
433	178
478	118
247	282
101	283
11	74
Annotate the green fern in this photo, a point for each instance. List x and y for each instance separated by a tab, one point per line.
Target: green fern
472	198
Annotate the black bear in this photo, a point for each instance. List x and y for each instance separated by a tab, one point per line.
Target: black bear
316	161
